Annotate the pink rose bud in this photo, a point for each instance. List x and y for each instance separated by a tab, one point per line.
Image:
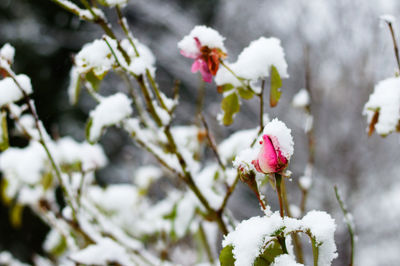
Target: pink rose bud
270	158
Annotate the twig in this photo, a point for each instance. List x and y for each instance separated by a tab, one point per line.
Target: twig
349	223
42	141
261	96
396	49
211	142
229	192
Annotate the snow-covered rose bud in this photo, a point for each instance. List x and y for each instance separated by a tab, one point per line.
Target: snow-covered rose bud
270	158
275	150
205	46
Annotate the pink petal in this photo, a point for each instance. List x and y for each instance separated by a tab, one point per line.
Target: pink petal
188	55
205	72
200	65
267	158
198	44
196	65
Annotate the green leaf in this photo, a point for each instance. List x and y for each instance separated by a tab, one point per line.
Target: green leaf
226	256
3	131
94	80
77	89
270	253
59	249
87	130
16	212
47	180
225	88
230	105
3	189
276	84
245	93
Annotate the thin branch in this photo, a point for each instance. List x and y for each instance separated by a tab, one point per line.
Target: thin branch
349	223
42	141
211	142
396	49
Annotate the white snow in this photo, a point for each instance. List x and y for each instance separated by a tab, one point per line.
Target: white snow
257	231
113	3
10	92
7	259
285	260
73	88
146	175
305	182
387	18
386	100
255	62
7	52
69	151
207	37
322	227
110	111
301	99
283	134
102	253
235	143
249	237
94	56
145	60
114	197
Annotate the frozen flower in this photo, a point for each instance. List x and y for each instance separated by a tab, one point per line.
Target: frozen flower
270	158
205	46
276	148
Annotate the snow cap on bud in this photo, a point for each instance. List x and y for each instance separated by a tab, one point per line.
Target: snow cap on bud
7	52
206	46
276	148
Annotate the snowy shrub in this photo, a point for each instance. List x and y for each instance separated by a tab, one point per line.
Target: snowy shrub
123	224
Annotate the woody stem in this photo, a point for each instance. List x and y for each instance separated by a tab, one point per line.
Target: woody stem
278	181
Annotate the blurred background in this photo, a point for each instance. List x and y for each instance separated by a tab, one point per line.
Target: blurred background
348	51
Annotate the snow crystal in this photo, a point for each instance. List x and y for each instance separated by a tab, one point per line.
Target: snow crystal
7	52
387	18
322	227
146	175
94	56
386	100
10	92
301	99
283	134
255	62
110	111
207	37
104	252
285	260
